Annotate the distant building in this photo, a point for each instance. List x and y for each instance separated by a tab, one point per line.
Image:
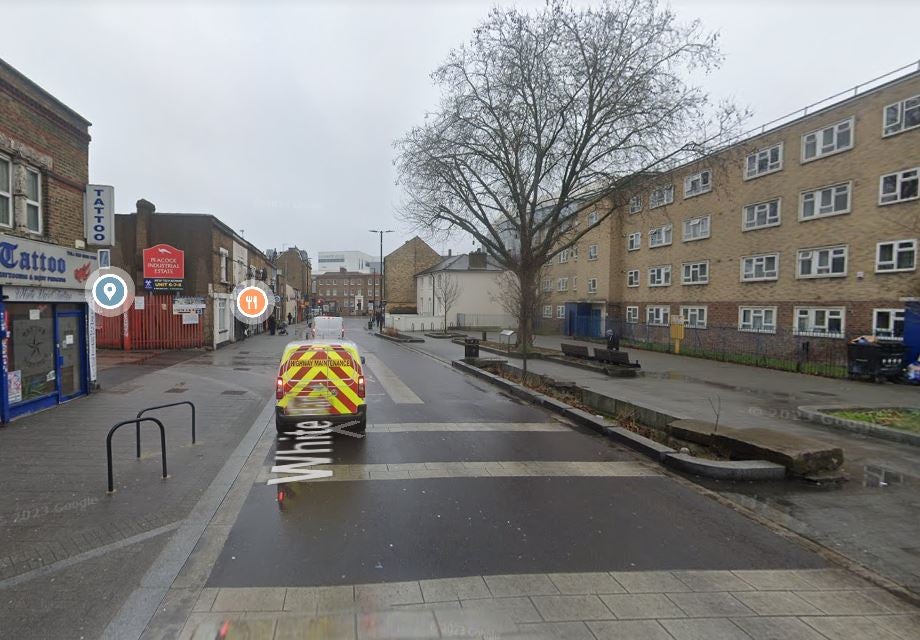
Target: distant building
401	266
478	298
346	293
356	261
295	264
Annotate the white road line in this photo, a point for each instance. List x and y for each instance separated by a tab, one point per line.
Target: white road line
395	388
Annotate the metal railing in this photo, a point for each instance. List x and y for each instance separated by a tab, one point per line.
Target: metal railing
108	446
163	406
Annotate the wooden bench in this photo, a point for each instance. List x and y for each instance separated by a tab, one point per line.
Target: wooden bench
620	358
575	351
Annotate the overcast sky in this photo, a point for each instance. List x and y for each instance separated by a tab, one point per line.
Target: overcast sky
279	117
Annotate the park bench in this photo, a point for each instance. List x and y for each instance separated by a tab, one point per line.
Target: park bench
575	351
619	358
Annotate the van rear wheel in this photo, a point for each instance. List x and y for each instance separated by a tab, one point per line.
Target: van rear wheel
280	427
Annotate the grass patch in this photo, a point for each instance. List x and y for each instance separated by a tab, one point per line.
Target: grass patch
900	419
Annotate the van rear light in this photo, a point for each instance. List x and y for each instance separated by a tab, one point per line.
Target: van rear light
279	388
361	386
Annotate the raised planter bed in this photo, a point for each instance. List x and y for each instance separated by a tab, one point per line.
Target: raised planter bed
399	337
819	415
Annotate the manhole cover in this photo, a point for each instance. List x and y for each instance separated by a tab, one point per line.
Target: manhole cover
232	392
176	390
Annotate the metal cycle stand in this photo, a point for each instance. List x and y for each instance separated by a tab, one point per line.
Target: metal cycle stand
108	446
162	406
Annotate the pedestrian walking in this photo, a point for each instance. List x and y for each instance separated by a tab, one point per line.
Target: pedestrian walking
290	318
271	324
613	340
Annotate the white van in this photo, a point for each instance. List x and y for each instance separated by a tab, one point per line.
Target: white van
327	328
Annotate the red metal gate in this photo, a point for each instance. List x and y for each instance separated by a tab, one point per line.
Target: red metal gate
153	327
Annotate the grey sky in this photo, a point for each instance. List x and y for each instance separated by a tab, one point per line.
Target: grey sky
279	117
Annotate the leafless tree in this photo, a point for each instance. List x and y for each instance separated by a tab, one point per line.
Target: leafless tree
446	291
546	114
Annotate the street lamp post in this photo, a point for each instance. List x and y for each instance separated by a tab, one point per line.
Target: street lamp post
382	270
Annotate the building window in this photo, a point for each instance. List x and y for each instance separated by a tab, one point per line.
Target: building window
754	268
632	278
6	192
33	201
574	283
560	311
762	214
592	285
658	315
824	142
659	276
592	218
661	196
634	241
764	161
694	317
757	319
547	311
635	205
888	323
822	263
222	315
899	255
562	284
592	252
547	284
660	236
902	116
697	183
899	186
632	315
696	272
819	321
224	265
827	201
696	228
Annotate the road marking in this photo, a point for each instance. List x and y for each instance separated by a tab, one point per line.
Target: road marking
467	426
496	469
395	388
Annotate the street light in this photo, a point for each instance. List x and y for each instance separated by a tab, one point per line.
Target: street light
382	272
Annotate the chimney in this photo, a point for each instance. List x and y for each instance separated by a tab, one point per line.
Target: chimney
450	252
477	260
145	206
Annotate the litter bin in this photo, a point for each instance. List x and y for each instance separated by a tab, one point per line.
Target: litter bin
878	360
370	324
471	347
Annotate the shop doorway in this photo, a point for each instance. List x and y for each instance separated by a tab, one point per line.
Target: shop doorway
71	366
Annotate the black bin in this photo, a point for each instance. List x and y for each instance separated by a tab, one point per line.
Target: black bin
471	347
878	360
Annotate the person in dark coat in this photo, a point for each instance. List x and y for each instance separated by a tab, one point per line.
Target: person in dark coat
271	324
613	340
290	318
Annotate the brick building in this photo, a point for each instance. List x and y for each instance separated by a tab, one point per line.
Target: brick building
346	293
48	335
784	243
295	264
216	259
400	269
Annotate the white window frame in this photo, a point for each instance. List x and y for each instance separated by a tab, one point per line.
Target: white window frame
592	285
898	247
547	284
560	311
661	196
697	222
901	106
6	191
224	265
563	256
694	310
632	314
667	236
763	259
562	284
592	218
633	278
634	241
35	203
816	196
845	124
766	328
662	313
771	167
663	272
831	250
705	181
635	204
811	314
547	311
899	182
893	320
690	267
592	252
754	207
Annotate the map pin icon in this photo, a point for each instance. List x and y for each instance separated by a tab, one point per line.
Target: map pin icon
109	290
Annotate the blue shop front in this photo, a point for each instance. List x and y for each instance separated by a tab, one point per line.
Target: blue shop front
47	331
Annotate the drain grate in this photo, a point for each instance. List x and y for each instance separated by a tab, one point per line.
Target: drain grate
241	369
176	390
233	392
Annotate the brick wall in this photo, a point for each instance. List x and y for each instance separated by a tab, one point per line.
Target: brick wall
401	266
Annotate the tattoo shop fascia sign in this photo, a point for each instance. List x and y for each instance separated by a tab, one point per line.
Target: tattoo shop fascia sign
30	263
99	215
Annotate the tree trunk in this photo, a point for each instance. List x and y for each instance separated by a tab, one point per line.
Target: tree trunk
525	329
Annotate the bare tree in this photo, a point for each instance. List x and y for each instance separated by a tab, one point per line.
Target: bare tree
546	114
446	291
510	298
